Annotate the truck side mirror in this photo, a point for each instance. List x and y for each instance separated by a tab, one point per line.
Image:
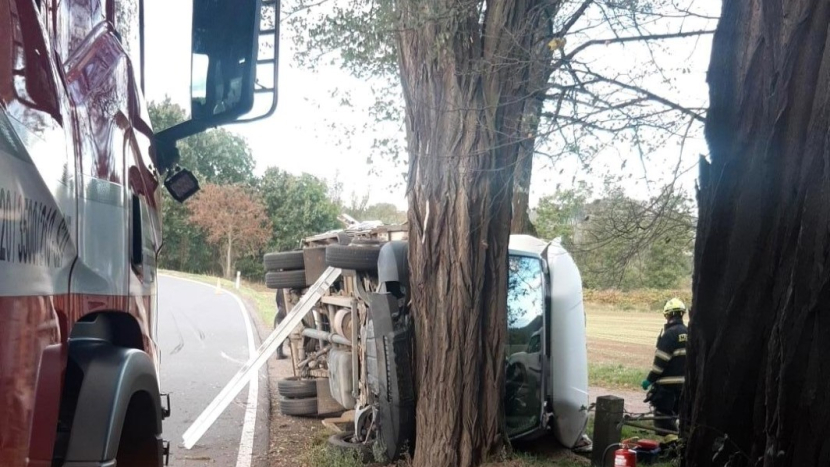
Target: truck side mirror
224	58
227	72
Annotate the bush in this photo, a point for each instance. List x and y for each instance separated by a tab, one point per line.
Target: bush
644	299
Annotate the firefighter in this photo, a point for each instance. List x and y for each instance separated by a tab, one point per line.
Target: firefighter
667	375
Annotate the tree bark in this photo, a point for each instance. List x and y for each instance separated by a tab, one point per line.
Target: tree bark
759	359
465	92
539	74
521	192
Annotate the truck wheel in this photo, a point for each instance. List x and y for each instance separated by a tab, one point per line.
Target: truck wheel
285	279
295	407
283	261
343	442
296	387
355	257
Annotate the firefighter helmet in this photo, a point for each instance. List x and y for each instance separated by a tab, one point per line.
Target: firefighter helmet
675	306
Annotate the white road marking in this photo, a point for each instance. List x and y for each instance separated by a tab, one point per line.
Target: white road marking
246	443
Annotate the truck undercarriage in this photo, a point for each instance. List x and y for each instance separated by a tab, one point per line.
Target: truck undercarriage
353	349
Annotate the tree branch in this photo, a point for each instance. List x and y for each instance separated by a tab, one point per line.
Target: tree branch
648	94
618	40
574	18
301	9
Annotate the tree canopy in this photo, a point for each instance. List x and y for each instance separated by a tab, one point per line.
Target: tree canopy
234	219
298	206
621	242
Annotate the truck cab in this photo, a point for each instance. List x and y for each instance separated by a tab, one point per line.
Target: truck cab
81	174
546	385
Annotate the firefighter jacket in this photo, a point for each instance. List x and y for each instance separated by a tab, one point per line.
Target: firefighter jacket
670	357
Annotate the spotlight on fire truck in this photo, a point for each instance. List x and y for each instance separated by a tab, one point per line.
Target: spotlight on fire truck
181	184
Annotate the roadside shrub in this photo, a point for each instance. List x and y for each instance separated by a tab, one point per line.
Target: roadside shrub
643	299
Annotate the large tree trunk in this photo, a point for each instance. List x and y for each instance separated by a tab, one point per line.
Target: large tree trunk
521	192
464	94
759	356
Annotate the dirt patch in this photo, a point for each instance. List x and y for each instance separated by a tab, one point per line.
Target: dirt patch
633	399
608	351
290	436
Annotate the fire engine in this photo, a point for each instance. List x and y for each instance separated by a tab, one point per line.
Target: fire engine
81	171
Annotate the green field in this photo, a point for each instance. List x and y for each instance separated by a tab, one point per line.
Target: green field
620	345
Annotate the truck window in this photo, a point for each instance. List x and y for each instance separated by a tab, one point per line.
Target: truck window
525	315
525	301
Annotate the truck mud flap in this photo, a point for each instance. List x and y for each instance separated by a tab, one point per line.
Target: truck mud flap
396	400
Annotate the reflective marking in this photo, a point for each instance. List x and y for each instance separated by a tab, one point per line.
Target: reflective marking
679	352
246	444
662	355
656	370
671	380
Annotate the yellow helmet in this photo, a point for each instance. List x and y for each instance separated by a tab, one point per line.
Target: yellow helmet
675	306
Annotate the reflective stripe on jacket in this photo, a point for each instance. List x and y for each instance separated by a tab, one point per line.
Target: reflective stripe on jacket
669	365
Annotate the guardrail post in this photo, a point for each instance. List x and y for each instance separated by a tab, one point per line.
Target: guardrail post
607	427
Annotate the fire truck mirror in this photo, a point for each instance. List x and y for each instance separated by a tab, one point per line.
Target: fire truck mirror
181	185
224	56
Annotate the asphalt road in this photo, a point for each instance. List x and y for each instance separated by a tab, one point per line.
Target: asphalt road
204	340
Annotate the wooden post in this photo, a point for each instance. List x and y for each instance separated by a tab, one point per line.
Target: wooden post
607	428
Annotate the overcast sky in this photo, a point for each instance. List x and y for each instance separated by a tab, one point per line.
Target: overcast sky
297	139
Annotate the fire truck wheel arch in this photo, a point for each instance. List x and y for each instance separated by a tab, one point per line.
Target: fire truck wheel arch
112	376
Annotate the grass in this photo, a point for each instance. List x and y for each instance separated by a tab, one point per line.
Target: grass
636	300
608	323
320	454
262	297
612	376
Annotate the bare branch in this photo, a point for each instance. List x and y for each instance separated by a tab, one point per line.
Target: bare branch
574	18
617	40
648	94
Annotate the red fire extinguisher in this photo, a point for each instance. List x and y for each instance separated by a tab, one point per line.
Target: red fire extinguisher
625	457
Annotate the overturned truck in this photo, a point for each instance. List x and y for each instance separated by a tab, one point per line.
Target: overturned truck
353	350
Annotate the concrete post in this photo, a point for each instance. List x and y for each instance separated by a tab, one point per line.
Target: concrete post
607	428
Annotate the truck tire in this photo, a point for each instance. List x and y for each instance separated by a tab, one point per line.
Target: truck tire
355	257
285	279
343	443
307	406
283	261
297	388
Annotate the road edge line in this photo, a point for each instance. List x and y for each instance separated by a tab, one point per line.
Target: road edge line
246	443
